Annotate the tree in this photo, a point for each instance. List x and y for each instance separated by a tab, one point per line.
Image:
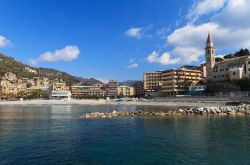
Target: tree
121	95
242	52
228	56
219	59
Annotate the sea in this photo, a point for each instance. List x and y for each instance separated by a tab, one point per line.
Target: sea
55	135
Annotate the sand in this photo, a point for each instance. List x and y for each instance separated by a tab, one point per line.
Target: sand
188	103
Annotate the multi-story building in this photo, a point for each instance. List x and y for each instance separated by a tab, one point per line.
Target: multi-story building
152	81
39	81
203	71
10	76
139	89
177	81
126	91
98	86
97	92
226	70
60	91
112	88
83	91
59	86
10	86
30	70
80	91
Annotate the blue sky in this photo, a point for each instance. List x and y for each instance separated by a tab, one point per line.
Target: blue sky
111	39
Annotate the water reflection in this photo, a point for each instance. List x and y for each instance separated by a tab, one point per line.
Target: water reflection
54	134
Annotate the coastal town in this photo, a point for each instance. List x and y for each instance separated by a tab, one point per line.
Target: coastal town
125	82
183	81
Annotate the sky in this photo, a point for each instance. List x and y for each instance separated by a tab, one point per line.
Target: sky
120	39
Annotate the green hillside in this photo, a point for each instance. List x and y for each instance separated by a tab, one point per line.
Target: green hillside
9	64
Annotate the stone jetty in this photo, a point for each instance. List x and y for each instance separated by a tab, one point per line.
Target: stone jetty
240	110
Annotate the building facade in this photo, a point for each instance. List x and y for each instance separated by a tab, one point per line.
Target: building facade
139	89
177	81
152	81
112	90
226	70
126	91
83	91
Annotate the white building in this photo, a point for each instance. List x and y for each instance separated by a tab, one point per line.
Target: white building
234	68
61	95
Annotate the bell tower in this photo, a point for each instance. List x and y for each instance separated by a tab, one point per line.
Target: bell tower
210	57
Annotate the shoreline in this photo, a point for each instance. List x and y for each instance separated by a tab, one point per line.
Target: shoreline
169	103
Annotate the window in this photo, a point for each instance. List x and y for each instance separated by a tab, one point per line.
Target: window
248	62
233	73
223	75
248	69
214	76
226	69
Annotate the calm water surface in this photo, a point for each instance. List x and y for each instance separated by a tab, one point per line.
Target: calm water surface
54	134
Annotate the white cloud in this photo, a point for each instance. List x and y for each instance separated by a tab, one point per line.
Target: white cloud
134	32
186	55
204	7
133	65
228	26
234	15
4	42
66	54
163	59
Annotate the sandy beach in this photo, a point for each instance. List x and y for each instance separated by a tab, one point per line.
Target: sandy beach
187	103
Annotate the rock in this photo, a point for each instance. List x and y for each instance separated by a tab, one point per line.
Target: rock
162	114
140	111
213	112
181	111
231	113
114	115
218	111
240	114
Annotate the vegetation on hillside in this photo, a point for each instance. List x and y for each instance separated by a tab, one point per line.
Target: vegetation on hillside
240	53
9	64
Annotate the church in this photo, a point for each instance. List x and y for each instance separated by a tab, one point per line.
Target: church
229	69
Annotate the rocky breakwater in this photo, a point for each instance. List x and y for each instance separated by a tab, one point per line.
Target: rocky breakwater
240	110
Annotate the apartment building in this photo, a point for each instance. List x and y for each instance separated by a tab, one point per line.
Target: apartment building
139	89
152	81
177	81
112	89
126	91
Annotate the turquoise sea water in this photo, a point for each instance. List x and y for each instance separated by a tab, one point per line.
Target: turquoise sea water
54	134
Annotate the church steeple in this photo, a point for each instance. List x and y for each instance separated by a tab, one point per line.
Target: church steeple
210	42
210	56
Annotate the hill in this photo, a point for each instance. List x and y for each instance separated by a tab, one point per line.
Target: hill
129	82
88	81
9	64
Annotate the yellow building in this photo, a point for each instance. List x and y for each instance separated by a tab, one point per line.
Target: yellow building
126	91
60	86
83	91
177	81
152	81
